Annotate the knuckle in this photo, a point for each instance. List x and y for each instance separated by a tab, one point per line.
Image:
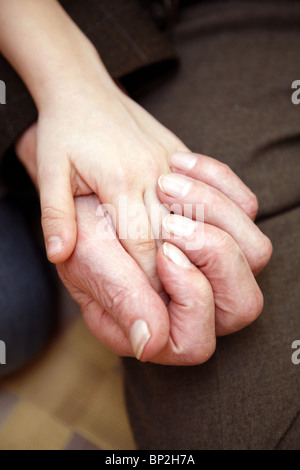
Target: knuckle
51	215
223	170
264	254
208	350
176	144
226	168
214	199
116	298
253	306
122	179
223	242
144	246
204	351
251	206
267	250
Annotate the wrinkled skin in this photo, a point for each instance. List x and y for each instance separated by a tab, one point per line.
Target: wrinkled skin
215	294
220	297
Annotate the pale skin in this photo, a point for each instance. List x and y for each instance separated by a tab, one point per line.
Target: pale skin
212	288
90	139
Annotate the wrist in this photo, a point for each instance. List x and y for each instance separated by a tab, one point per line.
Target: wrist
72	75
48	50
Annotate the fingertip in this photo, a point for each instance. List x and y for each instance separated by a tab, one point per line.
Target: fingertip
176	272
183	161
149	336
58	214
59	248
60	230
139	337
175	255
160	182
54	247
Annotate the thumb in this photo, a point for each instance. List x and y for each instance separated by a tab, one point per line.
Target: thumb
121	309
191	309
58	214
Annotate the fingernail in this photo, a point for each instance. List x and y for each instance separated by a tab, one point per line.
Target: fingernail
174	185
54	246
176	255
178	225
183	161
139	337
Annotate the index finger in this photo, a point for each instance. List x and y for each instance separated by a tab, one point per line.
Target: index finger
219	176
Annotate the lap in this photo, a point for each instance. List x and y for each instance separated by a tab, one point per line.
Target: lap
232	100
26	288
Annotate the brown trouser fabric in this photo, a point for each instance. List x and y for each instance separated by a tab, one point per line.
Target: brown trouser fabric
128	41
231	100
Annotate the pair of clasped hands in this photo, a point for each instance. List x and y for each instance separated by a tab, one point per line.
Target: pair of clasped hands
92	145
165	305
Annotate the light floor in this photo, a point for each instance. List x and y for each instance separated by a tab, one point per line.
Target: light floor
70	398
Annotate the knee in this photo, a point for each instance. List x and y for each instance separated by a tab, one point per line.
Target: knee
27	322
27	298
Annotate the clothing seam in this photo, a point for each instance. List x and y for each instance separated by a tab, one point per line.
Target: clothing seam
107	16
287	430
130	41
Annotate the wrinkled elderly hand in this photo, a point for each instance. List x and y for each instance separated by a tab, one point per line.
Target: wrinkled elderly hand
120	307
228	248
217	297
123	311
